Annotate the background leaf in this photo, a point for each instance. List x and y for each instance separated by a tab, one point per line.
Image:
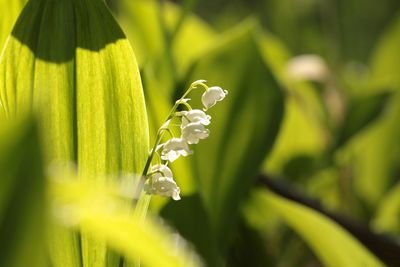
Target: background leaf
99	212
384	62
375	153
333	245
22	196
361	112
192	221
9	17
148	23
387	218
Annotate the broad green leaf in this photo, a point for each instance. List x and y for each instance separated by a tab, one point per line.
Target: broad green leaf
362	111
303	109
98	211
274	52
333	245
22	196
10	12
192	41
276	55
307	140
385	60
140	21
243	126
387	218
149	23
376	151
375	154
143	21
191	218
70	63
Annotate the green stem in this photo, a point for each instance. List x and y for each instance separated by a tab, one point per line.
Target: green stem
159	136
143	178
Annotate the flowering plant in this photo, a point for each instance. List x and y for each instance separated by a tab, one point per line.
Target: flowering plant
193	124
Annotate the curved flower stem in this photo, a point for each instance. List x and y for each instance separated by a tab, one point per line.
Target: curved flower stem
159	158
143	177
161	131
194	86
160	134
185	104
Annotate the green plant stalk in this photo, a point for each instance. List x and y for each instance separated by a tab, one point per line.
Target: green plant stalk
160	134
142	203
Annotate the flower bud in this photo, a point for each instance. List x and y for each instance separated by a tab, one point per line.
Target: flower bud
212	96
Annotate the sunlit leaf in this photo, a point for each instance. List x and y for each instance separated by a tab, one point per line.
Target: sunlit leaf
274	52
22	196
385	61
70	63
376	151
332	244
97	211
308	139
387	218
10	12
146	22
194	38
303	109
142	26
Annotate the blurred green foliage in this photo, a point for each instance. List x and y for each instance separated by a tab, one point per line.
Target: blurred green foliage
22	196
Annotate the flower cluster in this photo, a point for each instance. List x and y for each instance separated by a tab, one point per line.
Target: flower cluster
193	123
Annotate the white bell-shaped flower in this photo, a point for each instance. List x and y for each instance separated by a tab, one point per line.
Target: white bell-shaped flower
193	132
174	148
195	115
166	187
160	170
161	183
212	95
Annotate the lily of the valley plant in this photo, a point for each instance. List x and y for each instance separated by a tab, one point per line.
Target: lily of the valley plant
193	124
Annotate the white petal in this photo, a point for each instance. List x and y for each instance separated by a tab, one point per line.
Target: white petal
171	156
164	187
163	169
175	195
193	132
174	148
212	95
195	115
